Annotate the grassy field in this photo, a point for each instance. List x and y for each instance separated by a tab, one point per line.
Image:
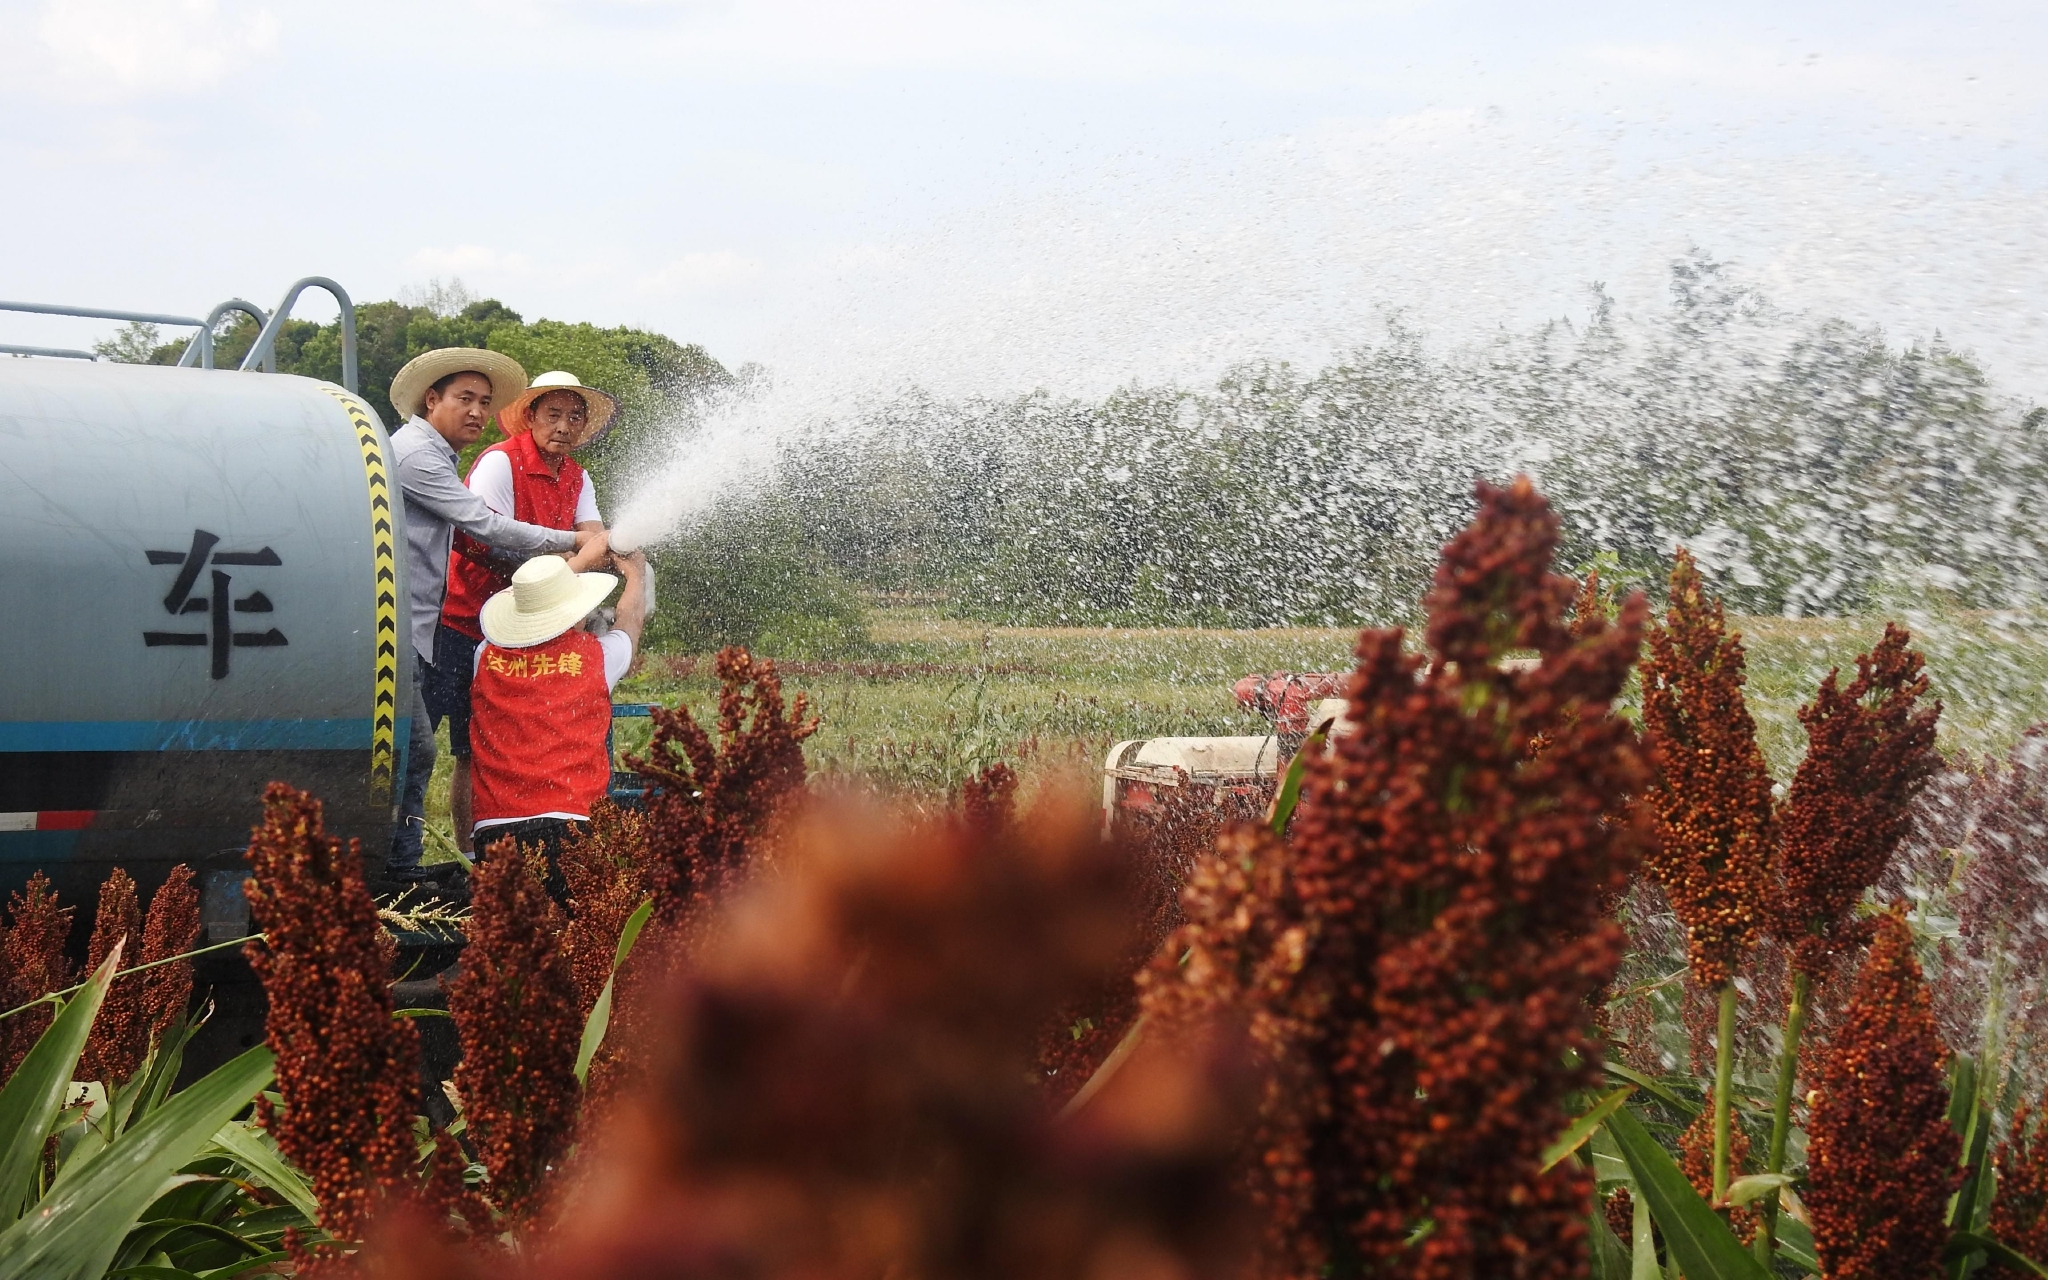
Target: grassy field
936	699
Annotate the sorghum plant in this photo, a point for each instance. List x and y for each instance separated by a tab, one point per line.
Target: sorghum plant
715	797
348	1071
1881	1152
1434	929
1870	750
34	965
1243	957
2019	1216
171	929
606	870
515	1012
120	1035
988	800
841	1087
1712	801
709	818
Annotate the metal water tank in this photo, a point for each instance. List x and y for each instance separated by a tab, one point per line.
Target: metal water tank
201	579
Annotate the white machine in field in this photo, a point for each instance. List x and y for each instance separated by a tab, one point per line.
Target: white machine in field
1197	784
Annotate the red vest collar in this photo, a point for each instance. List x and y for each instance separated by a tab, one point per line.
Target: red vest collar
526	457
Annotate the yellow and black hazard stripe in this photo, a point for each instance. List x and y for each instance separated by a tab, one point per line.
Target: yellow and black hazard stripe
384	715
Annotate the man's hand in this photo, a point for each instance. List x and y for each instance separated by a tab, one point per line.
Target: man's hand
638	596
592	546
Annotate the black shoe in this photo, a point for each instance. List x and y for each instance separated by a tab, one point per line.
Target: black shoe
448	882
445	882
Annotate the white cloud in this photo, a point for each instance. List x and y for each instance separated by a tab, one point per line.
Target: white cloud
112	48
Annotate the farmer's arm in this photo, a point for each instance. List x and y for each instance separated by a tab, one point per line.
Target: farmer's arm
428	477
624	637
491	480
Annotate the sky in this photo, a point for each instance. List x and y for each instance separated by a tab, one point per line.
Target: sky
1026	193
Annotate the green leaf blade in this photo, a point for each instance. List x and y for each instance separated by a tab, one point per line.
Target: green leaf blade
1755	1186
631	933
1964	1243
600	1019
77	1228
257	1152
35	1094
1289	796
1654	1087
594	1028
1584	1127
1701	1244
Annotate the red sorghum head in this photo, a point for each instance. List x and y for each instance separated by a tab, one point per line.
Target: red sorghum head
120	1035
1870	749
171	929
1712	795
515	1011
1619	1208
347	1069
1589	607
841	1087
715	798
1881	1153
989	799
1696	1157
1421	959
34	965
710	821
606	868
2019	1214
1242	957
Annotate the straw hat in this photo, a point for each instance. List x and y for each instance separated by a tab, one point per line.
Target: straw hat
409	388
545	599
514	417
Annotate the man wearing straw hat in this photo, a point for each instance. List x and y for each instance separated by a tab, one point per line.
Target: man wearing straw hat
446	396
530	477
541	702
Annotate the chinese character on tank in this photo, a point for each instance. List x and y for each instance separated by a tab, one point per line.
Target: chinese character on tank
217	604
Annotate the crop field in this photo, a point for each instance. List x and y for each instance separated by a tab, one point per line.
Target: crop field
936	699
1771	999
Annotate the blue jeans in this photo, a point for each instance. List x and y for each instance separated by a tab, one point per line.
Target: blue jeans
419	770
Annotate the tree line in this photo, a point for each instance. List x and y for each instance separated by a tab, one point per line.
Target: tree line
1811	466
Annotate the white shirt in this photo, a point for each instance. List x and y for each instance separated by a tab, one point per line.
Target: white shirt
618	655
491	480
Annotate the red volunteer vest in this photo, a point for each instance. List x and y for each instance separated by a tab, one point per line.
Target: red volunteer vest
538	497
538	720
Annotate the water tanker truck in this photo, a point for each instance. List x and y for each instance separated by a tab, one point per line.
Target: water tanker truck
205	575
204	572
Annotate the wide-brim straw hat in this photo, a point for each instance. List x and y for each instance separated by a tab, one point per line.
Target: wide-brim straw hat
409	388
601	407
545	599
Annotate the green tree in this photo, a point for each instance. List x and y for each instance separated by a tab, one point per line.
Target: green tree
133	343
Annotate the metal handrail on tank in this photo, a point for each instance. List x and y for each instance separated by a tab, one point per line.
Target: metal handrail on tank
200	351
65	353
197	351
266	341
89	313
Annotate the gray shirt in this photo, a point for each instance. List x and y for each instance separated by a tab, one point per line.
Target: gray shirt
437	503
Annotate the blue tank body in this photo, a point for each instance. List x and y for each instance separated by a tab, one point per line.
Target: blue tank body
201	578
